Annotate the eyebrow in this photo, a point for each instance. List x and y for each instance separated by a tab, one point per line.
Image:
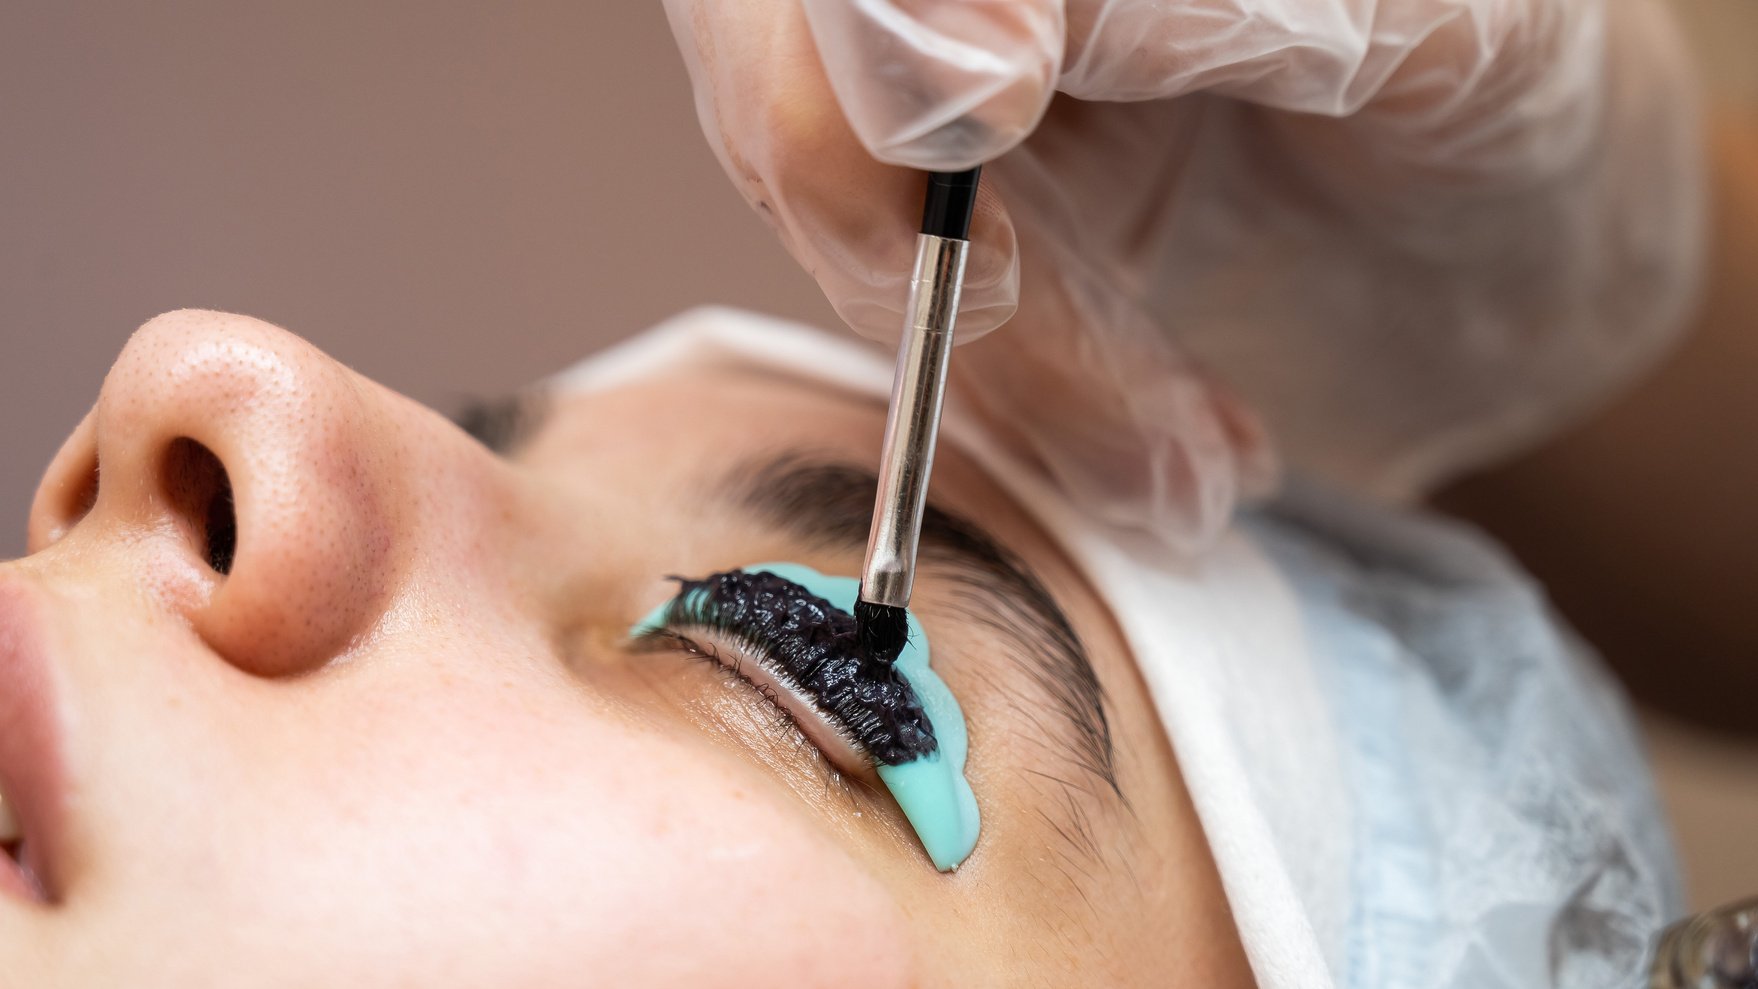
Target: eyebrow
831	504
503	424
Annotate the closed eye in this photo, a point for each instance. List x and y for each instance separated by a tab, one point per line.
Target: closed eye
748	663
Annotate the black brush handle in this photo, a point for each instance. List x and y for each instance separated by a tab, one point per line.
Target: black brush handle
946	209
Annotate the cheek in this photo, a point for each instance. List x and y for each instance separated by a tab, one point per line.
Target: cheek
464	840
661	870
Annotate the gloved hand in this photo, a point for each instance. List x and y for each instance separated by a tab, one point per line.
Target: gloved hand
1407	232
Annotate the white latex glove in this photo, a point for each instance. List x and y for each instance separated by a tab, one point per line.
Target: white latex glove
1409	232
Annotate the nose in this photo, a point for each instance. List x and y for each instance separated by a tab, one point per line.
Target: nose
248	479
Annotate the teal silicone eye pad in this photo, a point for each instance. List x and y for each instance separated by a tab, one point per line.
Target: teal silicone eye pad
900	714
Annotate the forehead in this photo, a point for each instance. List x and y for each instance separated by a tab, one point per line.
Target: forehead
696	421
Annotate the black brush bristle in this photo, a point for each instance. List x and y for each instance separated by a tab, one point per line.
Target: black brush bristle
882	630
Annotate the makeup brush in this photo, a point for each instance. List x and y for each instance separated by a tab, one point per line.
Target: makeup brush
918	389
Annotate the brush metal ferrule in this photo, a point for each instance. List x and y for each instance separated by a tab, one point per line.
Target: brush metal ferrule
918	390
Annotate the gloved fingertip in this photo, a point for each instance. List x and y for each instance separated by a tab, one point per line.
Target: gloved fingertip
1258	467
963	142
940	86
979	322
990	295
987	304
869	317
877	312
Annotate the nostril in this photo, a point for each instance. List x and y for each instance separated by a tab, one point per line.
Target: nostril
222	528
200	491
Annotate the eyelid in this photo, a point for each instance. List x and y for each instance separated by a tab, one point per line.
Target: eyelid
749	662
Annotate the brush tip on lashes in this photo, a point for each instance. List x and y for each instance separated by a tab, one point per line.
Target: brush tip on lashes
882	630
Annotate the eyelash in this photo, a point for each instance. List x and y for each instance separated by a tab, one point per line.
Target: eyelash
676	636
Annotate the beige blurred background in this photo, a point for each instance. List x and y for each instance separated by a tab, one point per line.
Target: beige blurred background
453	199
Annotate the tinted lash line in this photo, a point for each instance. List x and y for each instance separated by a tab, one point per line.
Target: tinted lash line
812	646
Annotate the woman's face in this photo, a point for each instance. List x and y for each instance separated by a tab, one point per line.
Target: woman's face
300	685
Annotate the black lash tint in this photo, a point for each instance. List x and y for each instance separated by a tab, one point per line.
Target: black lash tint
815	647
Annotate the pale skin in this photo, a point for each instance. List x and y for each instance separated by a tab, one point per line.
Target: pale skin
402	741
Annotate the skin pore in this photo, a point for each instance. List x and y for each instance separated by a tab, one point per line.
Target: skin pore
404	737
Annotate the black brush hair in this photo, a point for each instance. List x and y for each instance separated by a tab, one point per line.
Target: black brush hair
883	630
